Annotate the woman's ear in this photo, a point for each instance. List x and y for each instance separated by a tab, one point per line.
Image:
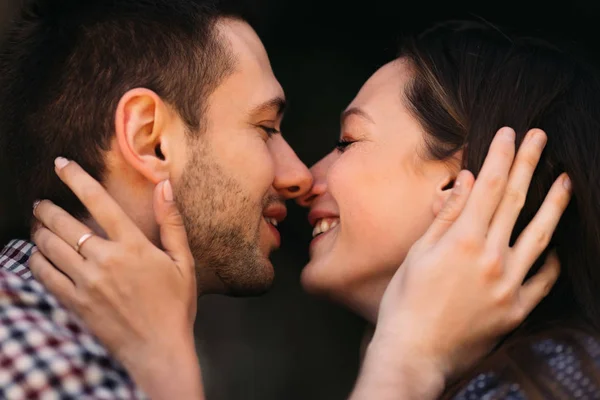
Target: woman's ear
141	131
446	183
443	192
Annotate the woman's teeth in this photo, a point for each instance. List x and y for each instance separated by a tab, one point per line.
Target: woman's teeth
324	225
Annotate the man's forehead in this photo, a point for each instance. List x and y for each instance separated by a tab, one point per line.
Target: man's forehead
243	42
253	77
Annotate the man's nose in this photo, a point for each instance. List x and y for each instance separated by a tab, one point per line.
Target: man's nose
292	177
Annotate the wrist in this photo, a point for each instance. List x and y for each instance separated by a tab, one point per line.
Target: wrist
393	369
167	370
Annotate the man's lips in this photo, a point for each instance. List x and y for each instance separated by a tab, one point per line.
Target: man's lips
276	212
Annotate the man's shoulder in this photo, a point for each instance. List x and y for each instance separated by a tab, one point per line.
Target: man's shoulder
27	303
46	350
15	256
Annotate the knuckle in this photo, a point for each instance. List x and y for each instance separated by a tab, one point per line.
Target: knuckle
515	197
493	264
133	249
35	262
504	297
57	222
43	276
36	259
94	283
176	218
106	259
36	236
560	200
530	160
447	214
506	151
495	183
516	316
553	274
83	303
469	244
541	238
42	239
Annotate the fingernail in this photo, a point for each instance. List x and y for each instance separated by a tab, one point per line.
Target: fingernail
509	133
35	205
567	183
457	187
168	191
60	163
34	250
539	139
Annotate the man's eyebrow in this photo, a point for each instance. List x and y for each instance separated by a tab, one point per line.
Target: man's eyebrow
355	111
277	104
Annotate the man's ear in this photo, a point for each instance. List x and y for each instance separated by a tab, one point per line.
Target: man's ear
141	123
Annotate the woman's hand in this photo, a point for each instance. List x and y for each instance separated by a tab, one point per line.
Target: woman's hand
139	300
462	286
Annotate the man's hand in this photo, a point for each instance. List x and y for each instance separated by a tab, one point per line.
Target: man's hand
139	300
461	286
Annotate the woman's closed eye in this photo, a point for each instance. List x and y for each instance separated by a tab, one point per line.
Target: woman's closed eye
343	144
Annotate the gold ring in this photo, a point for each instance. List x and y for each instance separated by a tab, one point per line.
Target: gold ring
82	240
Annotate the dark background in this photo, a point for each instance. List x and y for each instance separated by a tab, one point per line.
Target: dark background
287	345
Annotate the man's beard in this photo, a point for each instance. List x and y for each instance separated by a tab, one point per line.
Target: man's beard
223	228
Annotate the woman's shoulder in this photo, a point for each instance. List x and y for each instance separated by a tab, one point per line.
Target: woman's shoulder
553	364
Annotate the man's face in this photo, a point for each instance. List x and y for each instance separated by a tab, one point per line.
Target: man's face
236	176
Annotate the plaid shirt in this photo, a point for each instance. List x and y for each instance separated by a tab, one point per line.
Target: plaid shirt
45	350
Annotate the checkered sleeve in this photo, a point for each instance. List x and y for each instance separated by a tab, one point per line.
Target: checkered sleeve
46	352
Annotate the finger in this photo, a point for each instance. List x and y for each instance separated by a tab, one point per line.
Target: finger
63	225
519	179
490	183
59	253
452	207
103	208
172	229
536	236
539	285
52	279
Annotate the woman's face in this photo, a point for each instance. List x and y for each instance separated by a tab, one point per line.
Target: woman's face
373	198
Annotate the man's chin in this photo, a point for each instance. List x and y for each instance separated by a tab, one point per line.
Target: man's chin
253	283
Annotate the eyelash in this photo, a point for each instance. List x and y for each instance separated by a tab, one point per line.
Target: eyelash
269	131
343	144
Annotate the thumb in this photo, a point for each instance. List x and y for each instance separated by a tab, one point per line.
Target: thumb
172	229
452	207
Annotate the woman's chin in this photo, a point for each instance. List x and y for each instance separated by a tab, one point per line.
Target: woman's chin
323	277
320	277
312	280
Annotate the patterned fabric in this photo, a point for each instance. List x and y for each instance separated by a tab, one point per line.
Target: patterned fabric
45	351
569	369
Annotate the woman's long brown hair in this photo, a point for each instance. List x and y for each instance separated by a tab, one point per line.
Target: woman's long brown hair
470	79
